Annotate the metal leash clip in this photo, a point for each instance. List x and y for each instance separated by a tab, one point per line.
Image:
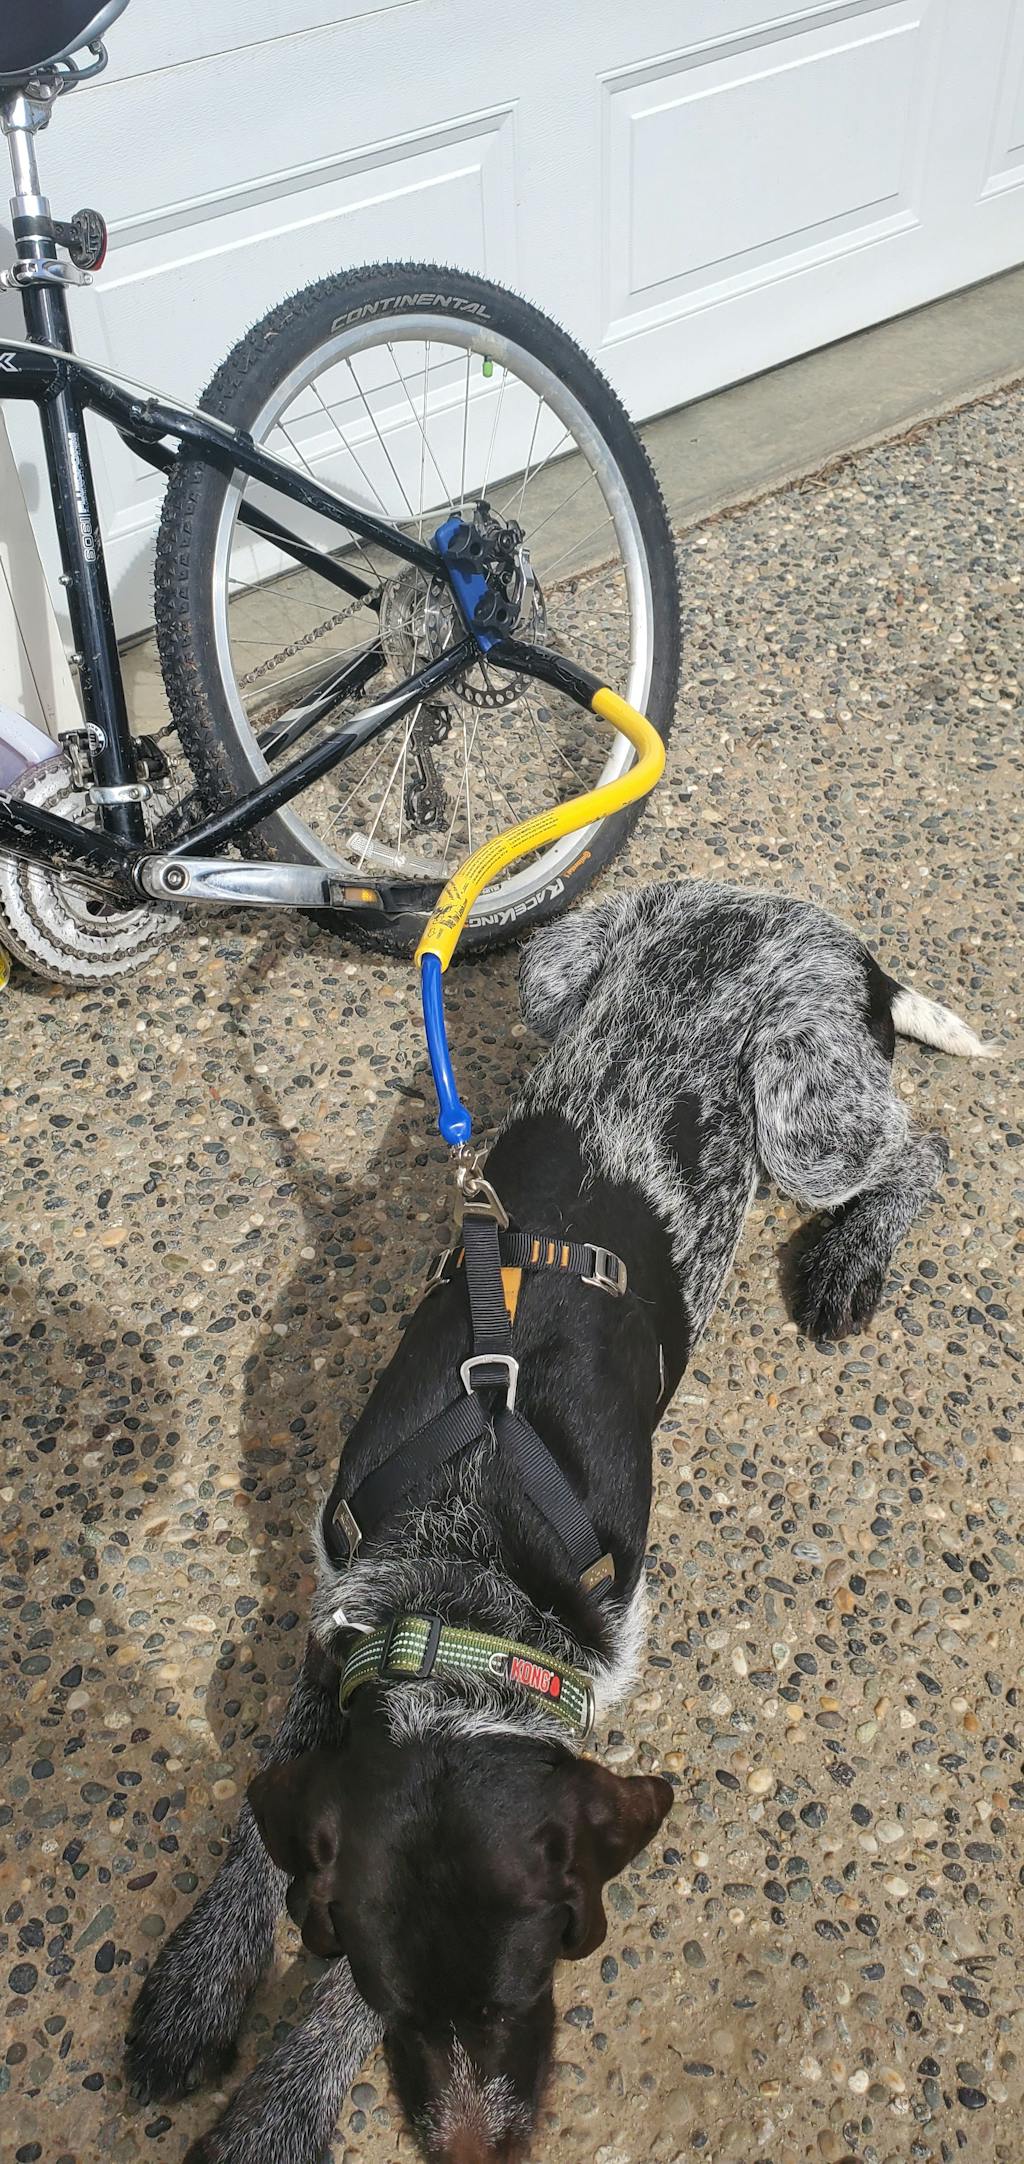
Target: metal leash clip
479	1198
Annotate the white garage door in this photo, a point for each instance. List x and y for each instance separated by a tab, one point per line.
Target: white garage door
697	188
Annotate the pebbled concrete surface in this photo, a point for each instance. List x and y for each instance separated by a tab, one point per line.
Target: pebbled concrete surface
221	1193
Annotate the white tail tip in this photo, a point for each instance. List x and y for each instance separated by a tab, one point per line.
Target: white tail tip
929	1023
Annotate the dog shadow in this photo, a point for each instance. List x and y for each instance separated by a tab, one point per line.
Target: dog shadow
87	1406
368	1236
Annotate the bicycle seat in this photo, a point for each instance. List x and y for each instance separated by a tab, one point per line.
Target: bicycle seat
34	34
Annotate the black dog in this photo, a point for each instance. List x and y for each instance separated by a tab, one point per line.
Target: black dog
437	1826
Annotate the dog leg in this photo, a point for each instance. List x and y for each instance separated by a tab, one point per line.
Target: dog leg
841	1274
561	965
186	2017
832	1135
287	2110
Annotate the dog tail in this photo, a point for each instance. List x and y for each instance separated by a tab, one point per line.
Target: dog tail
927	1022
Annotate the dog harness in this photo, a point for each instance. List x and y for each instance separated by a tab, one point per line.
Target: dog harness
493	1254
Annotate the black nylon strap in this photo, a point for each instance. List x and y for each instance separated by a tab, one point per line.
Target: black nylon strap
532	1251
461	1423
576	1257
549	1490
492	1331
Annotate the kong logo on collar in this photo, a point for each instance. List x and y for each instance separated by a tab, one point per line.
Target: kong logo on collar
532	1677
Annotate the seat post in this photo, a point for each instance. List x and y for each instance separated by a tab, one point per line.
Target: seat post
20	117
45	305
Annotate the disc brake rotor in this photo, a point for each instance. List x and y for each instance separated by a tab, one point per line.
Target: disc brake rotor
419	621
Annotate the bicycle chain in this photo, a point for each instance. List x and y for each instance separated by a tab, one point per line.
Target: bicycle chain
298	646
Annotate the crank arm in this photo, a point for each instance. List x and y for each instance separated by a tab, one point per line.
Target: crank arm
228	883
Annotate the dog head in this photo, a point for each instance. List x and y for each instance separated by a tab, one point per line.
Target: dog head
454	1874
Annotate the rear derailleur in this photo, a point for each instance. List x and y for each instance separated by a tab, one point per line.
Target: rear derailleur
426	804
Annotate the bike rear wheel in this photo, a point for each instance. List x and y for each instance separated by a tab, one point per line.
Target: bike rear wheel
417	392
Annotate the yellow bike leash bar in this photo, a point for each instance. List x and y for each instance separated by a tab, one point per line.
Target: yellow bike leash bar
448	918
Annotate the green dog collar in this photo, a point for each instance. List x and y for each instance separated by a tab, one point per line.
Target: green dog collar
412	1648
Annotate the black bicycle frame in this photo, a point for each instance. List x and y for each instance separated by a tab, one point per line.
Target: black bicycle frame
44	370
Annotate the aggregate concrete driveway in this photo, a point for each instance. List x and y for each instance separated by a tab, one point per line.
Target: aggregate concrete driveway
222	1191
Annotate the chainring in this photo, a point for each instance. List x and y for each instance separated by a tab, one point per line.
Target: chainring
60	928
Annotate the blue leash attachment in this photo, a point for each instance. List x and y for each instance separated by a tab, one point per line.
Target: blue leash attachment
453	1119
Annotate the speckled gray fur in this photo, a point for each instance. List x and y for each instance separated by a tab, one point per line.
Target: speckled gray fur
754	1008
287	2109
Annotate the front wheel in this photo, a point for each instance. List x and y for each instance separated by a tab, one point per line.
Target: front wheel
417	392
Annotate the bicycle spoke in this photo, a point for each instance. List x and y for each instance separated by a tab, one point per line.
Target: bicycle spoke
325	662
366	775
465	435
529	458
494	432
373	424
581	542
467	753
558	508
413	718
426	448
547	745
423	436
529	478
379	813
303	460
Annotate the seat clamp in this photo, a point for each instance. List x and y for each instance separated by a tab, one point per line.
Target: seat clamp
609	1272
492	1360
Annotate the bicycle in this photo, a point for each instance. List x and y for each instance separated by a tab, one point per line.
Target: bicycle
459	484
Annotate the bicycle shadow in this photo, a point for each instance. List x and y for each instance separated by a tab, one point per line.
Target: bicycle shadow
369	1234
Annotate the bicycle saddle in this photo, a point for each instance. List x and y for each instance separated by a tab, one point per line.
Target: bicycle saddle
34	34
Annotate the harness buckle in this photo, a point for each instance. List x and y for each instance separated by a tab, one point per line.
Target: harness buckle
478	1196
492	1360
609	1272
436	1273
342	1517
598	1574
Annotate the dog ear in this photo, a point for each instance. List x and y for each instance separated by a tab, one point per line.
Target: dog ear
297	1807
616	1816
298	1810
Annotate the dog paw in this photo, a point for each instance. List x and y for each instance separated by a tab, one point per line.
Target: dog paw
169	2051
187	2015
830	1299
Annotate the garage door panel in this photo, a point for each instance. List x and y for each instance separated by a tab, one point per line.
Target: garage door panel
149	37
1005	164
730	163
